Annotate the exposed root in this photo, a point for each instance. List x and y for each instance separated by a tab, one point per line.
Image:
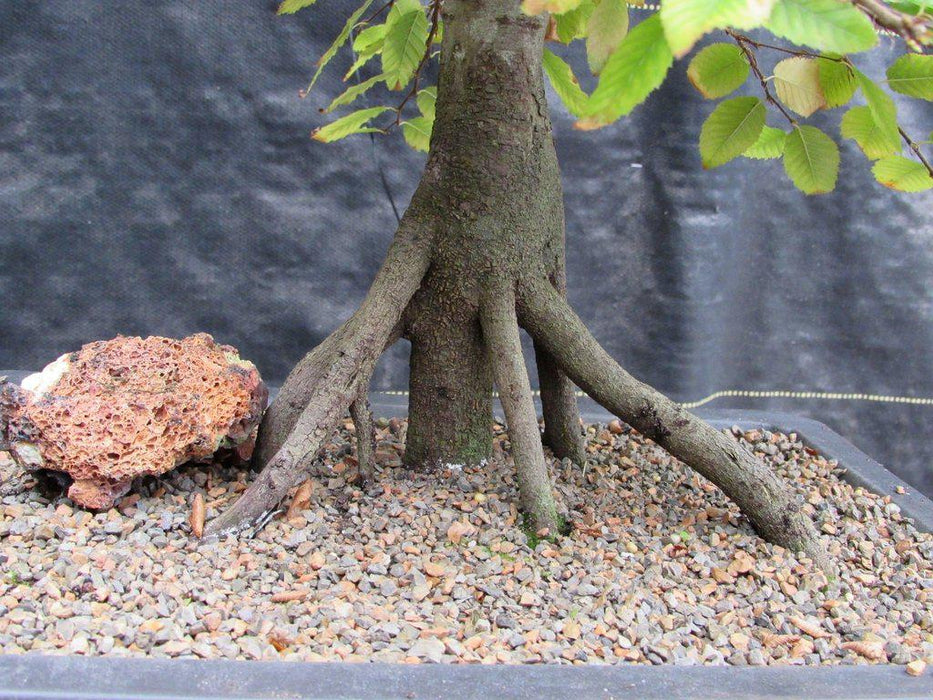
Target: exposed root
365	434
319	392
763	497
563	431
374	323
500	330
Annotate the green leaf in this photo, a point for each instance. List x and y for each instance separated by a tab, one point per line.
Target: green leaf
405	43
913	7
904	174
353	123
366	45
837	82
826	25
797	83
352	92
732	128
685	21
417	133
770	144
912	75
811	160
555	7
564	83
426	100
290	7
718	70
633	71
369	38
881	105
338	42
605	30
572	25
859	125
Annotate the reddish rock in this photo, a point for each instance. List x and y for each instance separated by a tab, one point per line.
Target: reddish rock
126	407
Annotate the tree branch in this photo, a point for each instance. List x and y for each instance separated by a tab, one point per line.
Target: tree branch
914	29
916	149
745	44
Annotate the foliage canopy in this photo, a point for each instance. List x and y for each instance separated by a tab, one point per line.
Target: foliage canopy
812	70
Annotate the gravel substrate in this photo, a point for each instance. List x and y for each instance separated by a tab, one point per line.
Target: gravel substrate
660	568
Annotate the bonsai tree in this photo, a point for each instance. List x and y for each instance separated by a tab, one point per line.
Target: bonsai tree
479	253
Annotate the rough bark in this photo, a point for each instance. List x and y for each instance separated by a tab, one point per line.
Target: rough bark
331	379
492	127
450	384
500	329
362	416
768	502
398	278
486	217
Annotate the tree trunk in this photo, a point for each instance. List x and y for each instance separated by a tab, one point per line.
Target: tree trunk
450	385
492	127
481	248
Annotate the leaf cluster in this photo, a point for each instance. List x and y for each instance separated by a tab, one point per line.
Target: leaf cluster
809	69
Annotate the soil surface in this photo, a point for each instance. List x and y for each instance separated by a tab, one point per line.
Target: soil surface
660	567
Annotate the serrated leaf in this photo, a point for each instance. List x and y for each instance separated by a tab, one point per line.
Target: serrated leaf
904	174
912	75
837	82
881	105
685	21
351	93
605	30
826	25
427	99
417	133
555	7
353	123
635	69
290	7
811	160
339	41
564	83
405	43
797	83
366	45
718	70
770	144
859	125
572	25
732	128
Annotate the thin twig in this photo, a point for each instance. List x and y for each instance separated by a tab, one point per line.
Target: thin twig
914	29
378	12
793	52
753	63
916	149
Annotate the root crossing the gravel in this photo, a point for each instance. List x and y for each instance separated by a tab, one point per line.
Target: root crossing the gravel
435	567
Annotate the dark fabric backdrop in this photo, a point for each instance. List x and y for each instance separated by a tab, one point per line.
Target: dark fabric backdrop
156	177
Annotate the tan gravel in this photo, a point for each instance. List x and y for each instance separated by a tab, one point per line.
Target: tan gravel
660	567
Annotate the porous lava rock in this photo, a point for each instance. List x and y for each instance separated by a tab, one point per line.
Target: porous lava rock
128	407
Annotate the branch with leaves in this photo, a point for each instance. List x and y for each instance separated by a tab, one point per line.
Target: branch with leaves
813	71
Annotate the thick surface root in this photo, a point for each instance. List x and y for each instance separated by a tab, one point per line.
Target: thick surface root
762	496
365	434
320	390
563	432
500	330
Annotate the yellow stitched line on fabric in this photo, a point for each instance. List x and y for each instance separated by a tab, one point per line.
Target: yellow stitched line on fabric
765	394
